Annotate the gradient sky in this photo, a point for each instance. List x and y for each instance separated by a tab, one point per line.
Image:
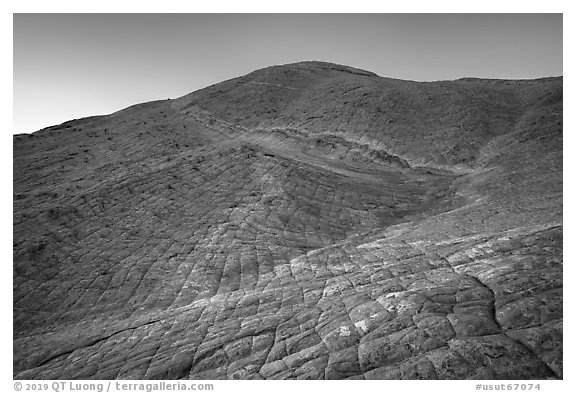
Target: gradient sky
76	65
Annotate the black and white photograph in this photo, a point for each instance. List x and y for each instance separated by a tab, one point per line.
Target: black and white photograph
286	196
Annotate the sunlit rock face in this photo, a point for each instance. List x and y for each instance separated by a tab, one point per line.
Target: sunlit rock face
305	221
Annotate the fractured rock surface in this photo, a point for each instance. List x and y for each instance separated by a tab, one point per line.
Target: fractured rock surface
306	221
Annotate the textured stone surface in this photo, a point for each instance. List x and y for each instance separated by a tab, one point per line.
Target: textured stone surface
307	221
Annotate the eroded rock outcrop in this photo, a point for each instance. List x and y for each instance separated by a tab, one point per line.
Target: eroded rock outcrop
303	221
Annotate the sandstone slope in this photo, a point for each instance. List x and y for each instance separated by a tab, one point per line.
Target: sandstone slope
309	221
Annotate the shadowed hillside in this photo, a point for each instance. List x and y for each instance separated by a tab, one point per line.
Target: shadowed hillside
309	221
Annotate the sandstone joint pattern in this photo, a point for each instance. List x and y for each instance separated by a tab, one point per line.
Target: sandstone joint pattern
305	221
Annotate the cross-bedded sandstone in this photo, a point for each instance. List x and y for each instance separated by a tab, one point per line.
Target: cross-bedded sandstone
304	221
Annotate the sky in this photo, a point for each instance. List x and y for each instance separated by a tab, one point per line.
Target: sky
68	66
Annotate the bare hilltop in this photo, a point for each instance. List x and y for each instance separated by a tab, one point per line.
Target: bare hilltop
304	221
